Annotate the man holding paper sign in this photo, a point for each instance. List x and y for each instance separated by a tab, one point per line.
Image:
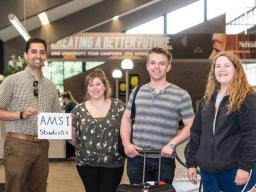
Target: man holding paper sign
22	96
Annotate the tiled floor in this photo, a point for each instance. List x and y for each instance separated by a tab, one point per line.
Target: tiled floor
63	177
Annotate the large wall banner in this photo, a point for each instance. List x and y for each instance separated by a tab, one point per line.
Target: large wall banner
102	46
107	45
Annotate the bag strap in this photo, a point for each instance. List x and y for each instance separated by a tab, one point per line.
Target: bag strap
133	109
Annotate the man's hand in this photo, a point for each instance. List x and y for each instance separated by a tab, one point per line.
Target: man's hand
30	111
192	175
167	151
132	150
241	177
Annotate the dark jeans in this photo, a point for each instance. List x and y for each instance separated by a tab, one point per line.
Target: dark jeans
100	179
224	181
135	169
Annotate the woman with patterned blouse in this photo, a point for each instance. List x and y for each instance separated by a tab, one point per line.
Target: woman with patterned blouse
96	122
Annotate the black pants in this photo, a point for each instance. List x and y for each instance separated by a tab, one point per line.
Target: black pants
70	150
100	179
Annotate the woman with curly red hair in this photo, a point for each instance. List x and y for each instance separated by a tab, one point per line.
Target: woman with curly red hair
223	133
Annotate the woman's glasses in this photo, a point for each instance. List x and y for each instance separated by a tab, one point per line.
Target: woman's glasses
35	91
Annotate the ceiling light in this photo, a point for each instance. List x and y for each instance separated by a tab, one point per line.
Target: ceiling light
116	17
20	28
43	18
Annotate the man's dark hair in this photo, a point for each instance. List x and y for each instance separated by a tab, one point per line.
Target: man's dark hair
35	40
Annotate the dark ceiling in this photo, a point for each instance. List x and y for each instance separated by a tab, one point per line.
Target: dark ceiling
87	18
96	17
24	9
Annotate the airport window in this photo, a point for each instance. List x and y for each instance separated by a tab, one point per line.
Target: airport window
193	14
250	70
58	71
92	64
218	7
177	20
155	26
239	17
185	17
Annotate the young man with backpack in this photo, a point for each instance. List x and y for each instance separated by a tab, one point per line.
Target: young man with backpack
160	105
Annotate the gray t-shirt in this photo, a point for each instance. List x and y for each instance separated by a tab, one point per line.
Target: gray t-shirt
158	115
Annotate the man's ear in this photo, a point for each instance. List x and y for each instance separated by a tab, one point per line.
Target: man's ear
169	67
147	66
25	55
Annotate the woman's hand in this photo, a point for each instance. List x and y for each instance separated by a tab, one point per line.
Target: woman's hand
192	175
132	150
241	177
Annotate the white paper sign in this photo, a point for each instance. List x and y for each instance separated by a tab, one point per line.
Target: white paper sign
54	126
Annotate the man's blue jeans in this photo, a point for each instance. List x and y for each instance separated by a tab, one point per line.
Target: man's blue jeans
135	169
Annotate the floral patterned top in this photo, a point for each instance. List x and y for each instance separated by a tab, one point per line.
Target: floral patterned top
97	138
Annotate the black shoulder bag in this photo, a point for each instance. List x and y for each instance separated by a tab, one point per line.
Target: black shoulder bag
120	146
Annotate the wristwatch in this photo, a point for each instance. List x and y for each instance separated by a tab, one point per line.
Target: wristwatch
172	146
21	115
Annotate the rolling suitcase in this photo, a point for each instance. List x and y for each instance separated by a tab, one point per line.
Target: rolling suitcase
147	187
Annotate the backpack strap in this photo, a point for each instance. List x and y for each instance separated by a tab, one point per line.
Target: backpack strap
133	108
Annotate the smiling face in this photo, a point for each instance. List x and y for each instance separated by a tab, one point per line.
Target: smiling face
36	55
96	88
157	66
224	71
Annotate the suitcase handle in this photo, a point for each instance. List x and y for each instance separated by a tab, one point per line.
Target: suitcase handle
149	151
145	152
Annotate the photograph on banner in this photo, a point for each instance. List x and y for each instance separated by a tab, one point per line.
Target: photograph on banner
242	45
54	126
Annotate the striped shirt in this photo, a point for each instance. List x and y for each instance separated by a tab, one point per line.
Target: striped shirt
158	115
16	94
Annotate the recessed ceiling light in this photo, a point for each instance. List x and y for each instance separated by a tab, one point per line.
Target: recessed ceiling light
43	18
116	17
